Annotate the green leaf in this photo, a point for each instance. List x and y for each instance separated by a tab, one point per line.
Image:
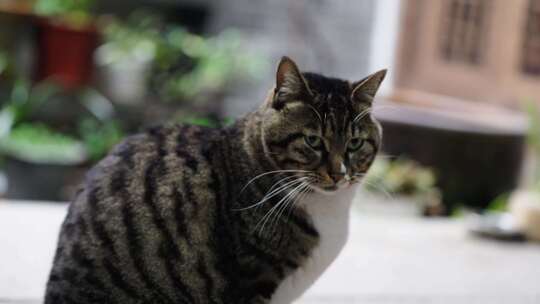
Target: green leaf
499	204
37	143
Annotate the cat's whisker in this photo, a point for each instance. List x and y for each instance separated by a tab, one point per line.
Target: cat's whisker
267	216
276	184
378	187
289	201
268	173
271	193
304	192
299	193
274	192
362	114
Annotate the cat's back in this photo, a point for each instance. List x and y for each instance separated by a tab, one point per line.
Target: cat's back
141	223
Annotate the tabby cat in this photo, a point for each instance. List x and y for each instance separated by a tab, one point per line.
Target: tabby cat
251	213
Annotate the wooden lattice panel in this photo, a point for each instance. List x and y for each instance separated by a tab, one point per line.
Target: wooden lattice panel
531	47
463	31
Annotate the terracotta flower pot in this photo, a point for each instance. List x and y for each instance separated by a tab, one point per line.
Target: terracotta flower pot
65	53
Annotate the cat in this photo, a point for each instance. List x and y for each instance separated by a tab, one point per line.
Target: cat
249	213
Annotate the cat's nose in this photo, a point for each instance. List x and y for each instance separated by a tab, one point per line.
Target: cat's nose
337	177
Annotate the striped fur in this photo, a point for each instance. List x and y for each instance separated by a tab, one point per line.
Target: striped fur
166	217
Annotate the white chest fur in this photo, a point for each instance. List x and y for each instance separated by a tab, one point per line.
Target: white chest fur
330	215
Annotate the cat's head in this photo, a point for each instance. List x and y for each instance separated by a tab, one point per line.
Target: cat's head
321	126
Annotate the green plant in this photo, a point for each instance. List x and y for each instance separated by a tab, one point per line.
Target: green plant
499	204
406	177
59	7
206	66
186	67
23	100
36	143
402	176
76	13
23	137
99	137
135	39
3	62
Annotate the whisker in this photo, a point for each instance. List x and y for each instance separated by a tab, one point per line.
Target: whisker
299	197
379	187
274	192
267	216
290	201
271	172
362	114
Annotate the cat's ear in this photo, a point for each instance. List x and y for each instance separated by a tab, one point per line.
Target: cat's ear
365	89
290	83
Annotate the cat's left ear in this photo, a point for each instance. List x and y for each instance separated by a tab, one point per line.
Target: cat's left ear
365	89
290	84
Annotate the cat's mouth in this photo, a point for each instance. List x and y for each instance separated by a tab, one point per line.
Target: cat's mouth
332	188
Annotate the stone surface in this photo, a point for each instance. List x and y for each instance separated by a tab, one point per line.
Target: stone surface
389	259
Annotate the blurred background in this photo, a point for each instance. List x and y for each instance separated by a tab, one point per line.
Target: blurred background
451	209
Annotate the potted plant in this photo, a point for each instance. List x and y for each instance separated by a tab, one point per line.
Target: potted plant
126	57
67	40
172	71
44	159
525	203
205	67
405	185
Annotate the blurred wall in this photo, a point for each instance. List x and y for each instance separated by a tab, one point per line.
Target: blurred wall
497	33
333	37
384	41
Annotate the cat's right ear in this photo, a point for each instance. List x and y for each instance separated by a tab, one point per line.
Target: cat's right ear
290	84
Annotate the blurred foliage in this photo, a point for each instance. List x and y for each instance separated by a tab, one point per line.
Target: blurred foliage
406	177
35	141
216	62
24	99
402	176
458	211
7	69
130	41
99	137
3	62
499	204
74	12
185	67
60	7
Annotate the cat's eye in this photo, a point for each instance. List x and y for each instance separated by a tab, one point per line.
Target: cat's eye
313	141
355	144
